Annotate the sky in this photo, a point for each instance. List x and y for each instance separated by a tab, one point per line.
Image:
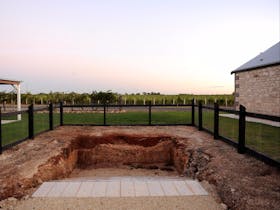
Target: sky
166	46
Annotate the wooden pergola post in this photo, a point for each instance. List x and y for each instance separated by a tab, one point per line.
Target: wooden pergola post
17	87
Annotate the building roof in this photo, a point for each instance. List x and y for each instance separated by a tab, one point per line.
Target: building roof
9	82
269	57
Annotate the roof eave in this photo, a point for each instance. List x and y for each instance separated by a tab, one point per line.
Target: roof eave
254	68
9	82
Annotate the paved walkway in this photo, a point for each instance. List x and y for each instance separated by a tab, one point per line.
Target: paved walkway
253	119
121	187
8	121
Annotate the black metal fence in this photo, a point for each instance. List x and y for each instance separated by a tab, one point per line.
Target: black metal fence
129	115
255	138
16	127
236	131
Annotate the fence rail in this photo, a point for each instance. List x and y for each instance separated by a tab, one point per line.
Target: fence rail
236	132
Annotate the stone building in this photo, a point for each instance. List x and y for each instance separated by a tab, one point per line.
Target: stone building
257	83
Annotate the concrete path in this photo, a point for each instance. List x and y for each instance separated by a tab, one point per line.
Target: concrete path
120	187
8	121
253	119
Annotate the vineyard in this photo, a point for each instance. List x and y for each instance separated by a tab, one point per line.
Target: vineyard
114	98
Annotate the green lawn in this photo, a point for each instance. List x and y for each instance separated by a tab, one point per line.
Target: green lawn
19	129
15	130
263	138
260	137
129	118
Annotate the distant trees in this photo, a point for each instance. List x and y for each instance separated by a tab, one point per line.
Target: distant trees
109	97
8	97
103	97
151	93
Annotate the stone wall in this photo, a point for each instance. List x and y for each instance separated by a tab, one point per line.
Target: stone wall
259	90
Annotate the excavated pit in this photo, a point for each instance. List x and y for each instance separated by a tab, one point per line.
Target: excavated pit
90	153
118	150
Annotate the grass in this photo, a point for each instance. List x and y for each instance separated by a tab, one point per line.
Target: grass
263	138
128	118
18	130
260	137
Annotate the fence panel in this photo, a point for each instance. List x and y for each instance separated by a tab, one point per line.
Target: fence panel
196	116
13	129
41	120
171	115
83	115
228	126
127	115
208	119
56	116
264	139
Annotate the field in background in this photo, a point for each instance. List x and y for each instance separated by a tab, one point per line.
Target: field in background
8	100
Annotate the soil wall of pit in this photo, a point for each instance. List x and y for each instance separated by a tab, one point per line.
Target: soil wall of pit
140	151
115	150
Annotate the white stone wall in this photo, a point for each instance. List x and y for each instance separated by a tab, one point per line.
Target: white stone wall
259	90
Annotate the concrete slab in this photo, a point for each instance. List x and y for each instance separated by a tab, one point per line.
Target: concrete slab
85	189
155	188
127	188
99	189
196	188
113	189
71	189
44	189
141	188
182	188
57	189
121	187
169	188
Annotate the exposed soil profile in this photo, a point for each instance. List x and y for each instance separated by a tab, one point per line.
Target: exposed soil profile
116	150
237	181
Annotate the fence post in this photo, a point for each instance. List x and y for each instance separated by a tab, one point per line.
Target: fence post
150	113
31	121
51	116
0	131
242	125
216	121
200	116
193	113
61	112
104	115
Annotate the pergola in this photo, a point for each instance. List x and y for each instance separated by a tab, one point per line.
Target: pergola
16	85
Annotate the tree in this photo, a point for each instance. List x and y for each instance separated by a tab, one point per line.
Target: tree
103	97
3	99
83	98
